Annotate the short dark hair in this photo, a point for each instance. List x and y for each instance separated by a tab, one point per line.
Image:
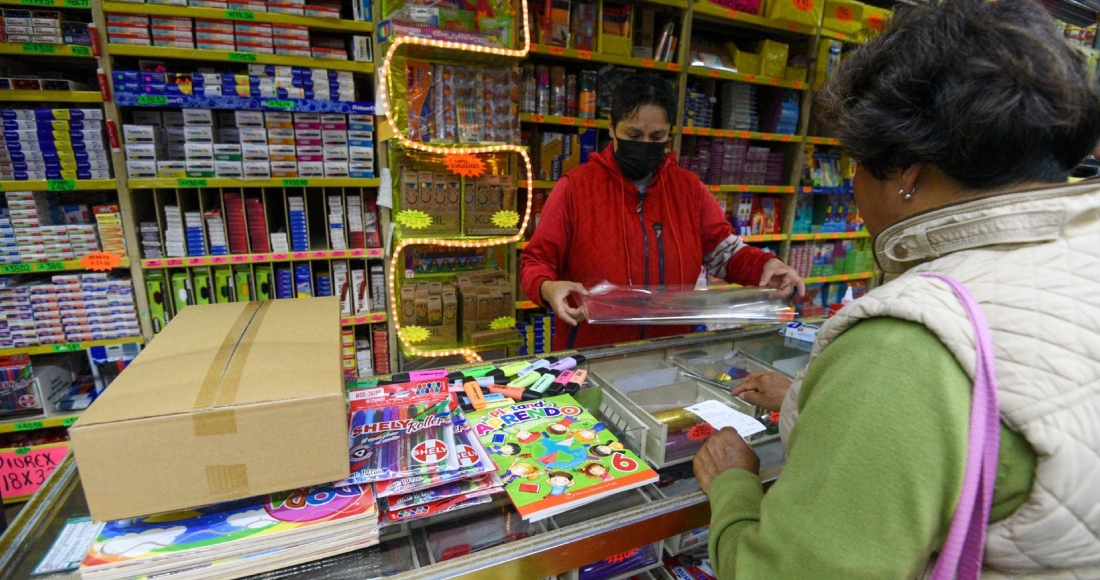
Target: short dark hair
642	89
988	92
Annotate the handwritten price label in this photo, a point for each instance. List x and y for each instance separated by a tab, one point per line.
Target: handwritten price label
556	50
241	57
261	257
173	262
584	54
238	259
786	138
295	183
743	188
77	4
674	66
67	347
588	122
38	48
49	266
278	257
773	81
219	259
152	100
538	119
798	85
153	263
190	183
16	269
196	261
240	15
320	255
279	104
733	14
24	470
101	261
60	185
337	254
465	164
356	253
750	78
300	255
80	50
568	121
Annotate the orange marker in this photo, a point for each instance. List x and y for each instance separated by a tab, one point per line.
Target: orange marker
473	391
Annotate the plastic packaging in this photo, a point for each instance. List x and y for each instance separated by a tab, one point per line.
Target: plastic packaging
611	304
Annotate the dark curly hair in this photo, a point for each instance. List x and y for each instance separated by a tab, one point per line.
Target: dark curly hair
988	92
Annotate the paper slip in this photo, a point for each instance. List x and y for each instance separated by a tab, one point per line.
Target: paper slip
70	547
719	416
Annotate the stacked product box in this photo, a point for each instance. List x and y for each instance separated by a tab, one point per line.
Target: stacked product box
261	81
18	329
381	350
249	145
96	306
347	350
172	31
9	249
53	144
128	29
329	47
291	40
214	35
108	219
254	37
44	26
43	230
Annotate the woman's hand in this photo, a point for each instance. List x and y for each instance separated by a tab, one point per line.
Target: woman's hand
724	450
781	276
763	389
555	294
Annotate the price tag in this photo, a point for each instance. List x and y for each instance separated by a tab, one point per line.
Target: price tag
278	257
750	78
773	81
16	269
337	254
190	183
793	27
152	100
196	261
49	266
60	185
67	347
80	50
786	138
219	259
173	262
30	426
295	183
744	135
101	261
279	104
733	14
556	50
153	263
320	255
37	2
356	253
77	4
647	62
68	421
242	57
743	188
584	54
38	48
261	257
715	188
674	66
798	85
24	470
773	189
588	122
238	259
240	15
568	121
300	255
714	73
538	119
359	320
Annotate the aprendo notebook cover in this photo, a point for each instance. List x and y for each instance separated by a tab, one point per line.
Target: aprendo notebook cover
553	455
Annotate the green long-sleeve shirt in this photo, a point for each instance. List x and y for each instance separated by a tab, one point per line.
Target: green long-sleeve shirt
874	469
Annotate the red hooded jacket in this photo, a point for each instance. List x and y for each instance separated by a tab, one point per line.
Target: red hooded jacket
596	227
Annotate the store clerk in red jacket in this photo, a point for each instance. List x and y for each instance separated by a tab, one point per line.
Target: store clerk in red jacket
632	216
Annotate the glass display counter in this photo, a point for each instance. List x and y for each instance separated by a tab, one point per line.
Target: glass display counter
631	389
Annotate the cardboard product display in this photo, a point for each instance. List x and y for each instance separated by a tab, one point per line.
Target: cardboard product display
230	401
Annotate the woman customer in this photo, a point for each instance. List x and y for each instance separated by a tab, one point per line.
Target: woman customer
965	117
631	216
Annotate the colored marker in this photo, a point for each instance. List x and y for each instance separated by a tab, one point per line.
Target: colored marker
473	391
542	363
514	393
569	362
526	380
513	369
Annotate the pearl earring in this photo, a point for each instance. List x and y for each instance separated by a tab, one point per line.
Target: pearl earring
908	195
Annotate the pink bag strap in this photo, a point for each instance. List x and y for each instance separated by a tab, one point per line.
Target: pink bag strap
962	552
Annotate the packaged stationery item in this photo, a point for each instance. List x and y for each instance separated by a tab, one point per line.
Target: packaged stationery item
472	487
234	539
394	435
608	303
440	506
552	456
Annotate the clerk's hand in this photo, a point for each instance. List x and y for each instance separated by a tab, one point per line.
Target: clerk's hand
555	294
724	450
782	277
763	389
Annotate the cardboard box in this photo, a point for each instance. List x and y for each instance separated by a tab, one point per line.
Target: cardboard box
231	401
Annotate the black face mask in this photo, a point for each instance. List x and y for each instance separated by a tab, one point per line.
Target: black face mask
638	159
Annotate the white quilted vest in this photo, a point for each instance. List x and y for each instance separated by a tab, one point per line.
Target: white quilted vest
1032	260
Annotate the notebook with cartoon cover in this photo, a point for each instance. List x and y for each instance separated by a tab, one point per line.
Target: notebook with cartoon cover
552	456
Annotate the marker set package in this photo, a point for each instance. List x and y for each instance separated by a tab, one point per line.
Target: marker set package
400	435
477	485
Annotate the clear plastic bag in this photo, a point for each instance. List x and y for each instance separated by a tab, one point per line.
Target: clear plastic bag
607	303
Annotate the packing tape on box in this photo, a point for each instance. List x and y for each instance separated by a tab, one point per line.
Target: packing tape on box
227	481
219	386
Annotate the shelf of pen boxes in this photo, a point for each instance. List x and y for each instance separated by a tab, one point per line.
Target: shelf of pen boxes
43	226
201	143
734	161
652	393
645	31
458	310
59	384
308	88
66	308
230	36
53	144
434	201
45	27
366	352
459	104
536	331
314	8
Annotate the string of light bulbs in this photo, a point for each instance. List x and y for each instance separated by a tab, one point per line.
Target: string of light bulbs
384	74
